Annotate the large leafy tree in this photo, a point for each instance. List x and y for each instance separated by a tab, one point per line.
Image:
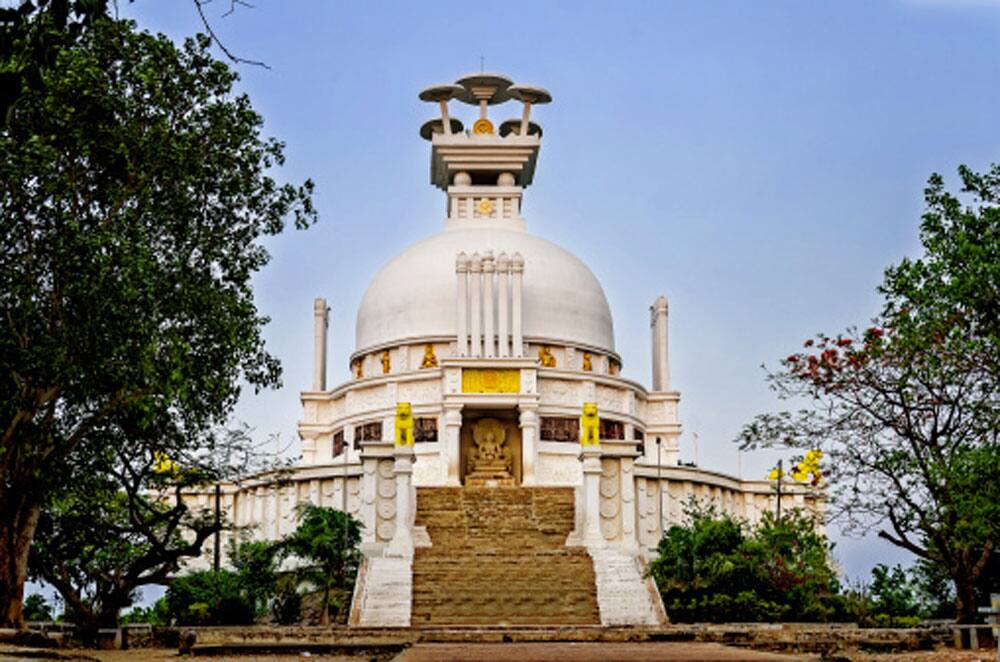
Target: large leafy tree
123	523
908	410
135	189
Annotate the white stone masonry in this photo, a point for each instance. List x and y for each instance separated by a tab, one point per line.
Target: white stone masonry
624	596
386	592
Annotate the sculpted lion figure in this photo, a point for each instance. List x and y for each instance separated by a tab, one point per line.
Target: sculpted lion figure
590	425
404	424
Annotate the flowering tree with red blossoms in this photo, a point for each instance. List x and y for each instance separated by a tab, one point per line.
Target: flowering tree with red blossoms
908	410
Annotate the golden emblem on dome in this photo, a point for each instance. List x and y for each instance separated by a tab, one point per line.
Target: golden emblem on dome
483	127
386	365
588	364
485	207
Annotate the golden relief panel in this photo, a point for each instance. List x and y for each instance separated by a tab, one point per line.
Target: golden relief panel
491	380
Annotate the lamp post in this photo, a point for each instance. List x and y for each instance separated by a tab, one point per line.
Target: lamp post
780	473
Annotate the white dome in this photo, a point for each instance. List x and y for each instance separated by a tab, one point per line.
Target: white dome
414	295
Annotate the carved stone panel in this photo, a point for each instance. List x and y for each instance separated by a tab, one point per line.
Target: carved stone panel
611	498
385	500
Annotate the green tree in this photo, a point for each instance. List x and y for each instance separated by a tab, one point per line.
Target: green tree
908	410
255	563
237	595
325	547
36	608
715	568
136	189
102	538
892	594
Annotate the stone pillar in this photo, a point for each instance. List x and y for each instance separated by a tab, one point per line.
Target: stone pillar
314	495
489	329
503	323
462	275
475	282
453	442
369	491
661	362
517	332
529	443
590	456
309	448
402	540
321	322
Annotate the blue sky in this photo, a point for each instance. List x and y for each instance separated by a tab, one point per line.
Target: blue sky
759	163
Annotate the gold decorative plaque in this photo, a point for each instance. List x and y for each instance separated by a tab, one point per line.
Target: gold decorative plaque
487	380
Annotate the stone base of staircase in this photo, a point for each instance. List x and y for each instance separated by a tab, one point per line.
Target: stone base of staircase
624	595
383	594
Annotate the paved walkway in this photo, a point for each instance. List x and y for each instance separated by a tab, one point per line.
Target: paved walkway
587	652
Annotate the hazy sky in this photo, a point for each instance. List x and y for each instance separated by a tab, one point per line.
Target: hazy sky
759	163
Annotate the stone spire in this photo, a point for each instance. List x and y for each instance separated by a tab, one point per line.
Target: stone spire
484	170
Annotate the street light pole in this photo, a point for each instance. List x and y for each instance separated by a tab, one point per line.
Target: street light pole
780	472
216	562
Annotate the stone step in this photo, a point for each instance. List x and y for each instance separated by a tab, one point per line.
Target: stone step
499	556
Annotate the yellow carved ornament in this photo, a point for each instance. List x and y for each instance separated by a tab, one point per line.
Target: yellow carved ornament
587	362
487	380
404	424
386	365
430	359
482	127
359	369
590	425
485	207
546	358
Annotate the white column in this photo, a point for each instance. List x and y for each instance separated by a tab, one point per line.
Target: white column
402	540
590	456
503	285
462	275
314	495
309	448
517	269
259	511
529	443
488	328
444	117
453	442
661	364
475	284
321	321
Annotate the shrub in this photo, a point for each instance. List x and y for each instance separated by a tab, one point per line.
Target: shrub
208	597
716	568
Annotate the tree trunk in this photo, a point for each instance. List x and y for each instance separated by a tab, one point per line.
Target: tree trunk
17	529
324	614
965	600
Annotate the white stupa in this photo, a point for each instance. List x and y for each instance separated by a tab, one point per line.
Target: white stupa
487	331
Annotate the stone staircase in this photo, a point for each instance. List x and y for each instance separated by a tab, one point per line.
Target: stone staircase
499	557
